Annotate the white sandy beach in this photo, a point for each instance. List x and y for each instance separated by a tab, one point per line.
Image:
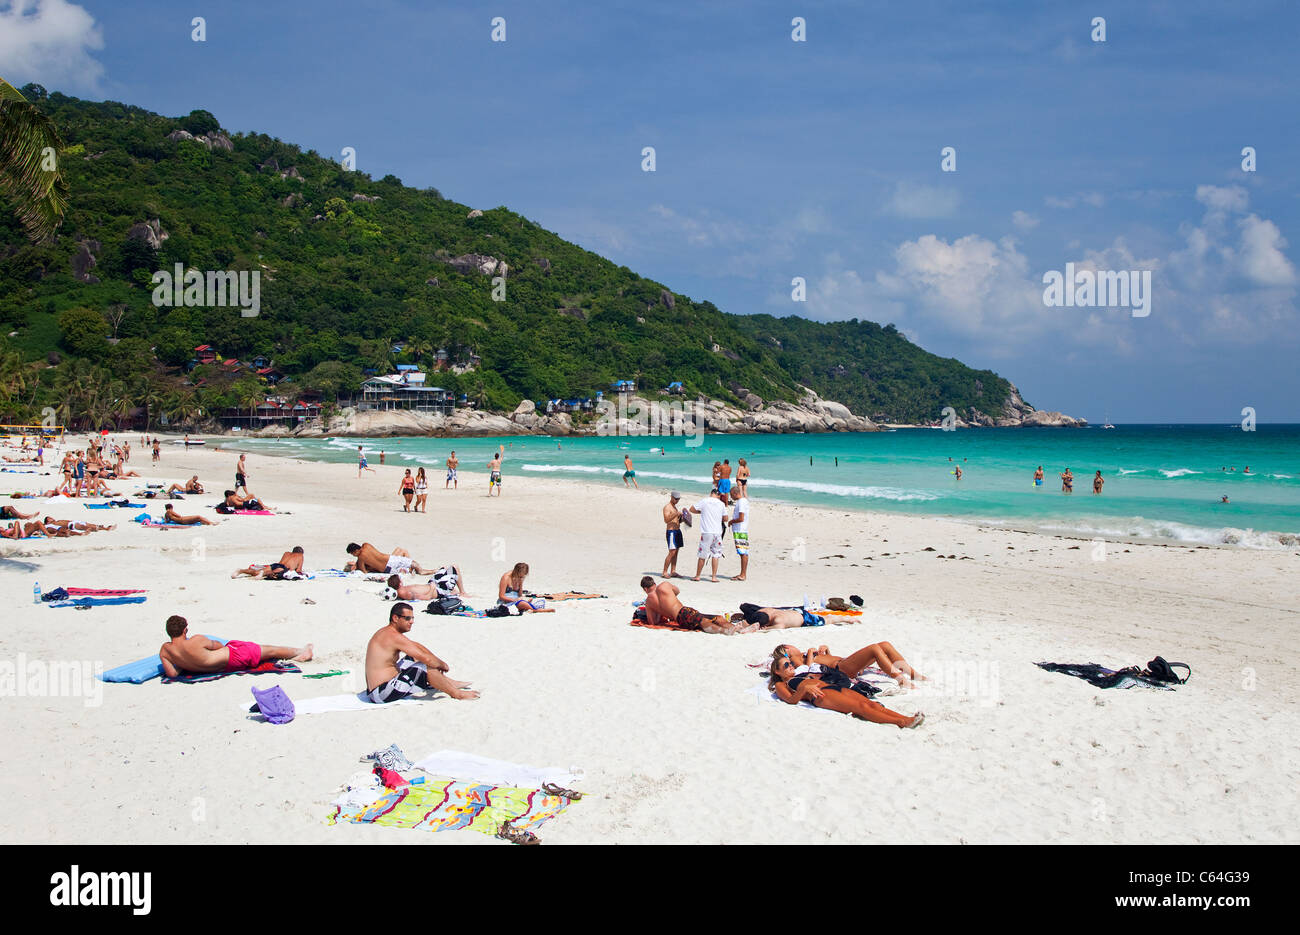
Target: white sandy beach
673	747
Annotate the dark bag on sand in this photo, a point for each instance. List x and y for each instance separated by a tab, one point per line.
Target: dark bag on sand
498	611
1163	671
639	614
444	605
222	508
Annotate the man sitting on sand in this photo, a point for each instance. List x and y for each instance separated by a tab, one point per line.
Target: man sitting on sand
171	516
276	571
664	607
243	503
396	665
369	559
198	654
191	486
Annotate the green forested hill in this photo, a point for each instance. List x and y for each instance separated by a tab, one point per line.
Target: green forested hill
344	279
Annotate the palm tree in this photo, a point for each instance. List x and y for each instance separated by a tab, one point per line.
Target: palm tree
38	192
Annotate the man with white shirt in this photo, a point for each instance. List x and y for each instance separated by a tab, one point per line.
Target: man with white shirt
740	530
713	517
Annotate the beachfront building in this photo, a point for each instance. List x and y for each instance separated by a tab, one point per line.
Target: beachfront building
270	411
405	390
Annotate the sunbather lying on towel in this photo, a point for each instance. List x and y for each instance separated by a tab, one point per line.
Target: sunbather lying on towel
171	516
198	654
396	665
77	527
370	559
234	502
831	686
289	562
882	655
776	618
191	486
8	512
663	607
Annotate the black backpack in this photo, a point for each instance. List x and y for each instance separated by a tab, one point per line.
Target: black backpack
1163	671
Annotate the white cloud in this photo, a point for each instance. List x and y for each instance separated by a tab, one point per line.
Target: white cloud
49	42
922	201
702	231
1092	199
1023	220
1231	198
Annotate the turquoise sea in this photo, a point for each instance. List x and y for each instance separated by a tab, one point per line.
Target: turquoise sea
1163	482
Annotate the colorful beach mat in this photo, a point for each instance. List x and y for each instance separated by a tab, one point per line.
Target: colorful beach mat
270	667
449	805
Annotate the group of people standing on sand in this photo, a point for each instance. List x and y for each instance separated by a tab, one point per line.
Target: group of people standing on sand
414	488
717	512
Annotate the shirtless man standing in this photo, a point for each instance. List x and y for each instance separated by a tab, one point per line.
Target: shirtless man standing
494	466
452	463
396	665
663	606
673	521
370	559
289	561
199	654
241	477
628	473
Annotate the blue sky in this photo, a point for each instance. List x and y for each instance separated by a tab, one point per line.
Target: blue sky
819	159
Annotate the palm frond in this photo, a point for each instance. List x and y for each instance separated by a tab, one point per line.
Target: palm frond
39	195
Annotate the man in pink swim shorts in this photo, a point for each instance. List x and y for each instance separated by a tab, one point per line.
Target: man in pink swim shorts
198	654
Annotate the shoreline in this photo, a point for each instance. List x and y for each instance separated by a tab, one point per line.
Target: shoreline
1016	524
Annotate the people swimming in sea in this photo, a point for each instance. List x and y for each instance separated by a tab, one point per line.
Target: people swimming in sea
1038	476
1067	482
831	685
1097	483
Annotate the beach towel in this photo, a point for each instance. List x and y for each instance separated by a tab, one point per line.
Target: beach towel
1101	677
98	601
103	592
109	506
266	668
450	804
329	703
455	764
883	683
252	512
142	670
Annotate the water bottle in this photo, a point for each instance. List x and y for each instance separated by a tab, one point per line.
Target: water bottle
36	593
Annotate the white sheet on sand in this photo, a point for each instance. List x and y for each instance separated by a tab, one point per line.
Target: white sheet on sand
453	764
327	703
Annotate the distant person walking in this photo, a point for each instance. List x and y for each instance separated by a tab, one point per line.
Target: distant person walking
452	463
494	468
672	515
407	490
241	477
361	462
1067	482
628	473
724	477
1038	476
421	492
1097	482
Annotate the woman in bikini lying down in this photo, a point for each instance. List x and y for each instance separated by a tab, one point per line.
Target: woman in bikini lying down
829	684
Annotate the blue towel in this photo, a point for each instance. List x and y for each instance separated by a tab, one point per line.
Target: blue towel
99	601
